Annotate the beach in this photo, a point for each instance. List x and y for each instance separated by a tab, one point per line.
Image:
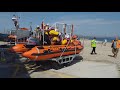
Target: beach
57	51
100	65
104	53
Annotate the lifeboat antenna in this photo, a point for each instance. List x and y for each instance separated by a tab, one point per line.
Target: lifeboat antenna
30	26
42	27
16	21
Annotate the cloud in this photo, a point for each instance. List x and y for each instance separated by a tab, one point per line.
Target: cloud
3	20
67	17
96	21
92	26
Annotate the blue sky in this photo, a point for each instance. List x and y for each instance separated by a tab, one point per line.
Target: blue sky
85	23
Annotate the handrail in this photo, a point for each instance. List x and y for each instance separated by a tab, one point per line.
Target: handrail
66	47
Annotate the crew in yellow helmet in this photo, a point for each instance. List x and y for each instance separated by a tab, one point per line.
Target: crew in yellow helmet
93	45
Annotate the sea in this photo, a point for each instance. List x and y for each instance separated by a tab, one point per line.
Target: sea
109	39
102	39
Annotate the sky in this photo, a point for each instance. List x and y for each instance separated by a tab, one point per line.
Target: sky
85	23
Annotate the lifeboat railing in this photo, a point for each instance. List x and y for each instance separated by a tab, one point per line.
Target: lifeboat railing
69	58
75	50
65	48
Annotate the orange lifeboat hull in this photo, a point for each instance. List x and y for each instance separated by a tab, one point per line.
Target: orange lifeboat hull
19	48
49	52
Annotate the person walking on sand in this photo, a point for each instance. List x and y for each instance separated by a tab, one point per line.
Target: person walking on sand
115	50
93	45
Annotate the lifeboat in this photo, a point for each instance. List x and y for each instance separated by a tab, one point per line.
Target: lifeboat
21	48
24	29
39	53
12	36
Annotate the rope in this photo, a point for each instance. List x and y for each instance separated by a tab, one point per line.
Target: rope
65	48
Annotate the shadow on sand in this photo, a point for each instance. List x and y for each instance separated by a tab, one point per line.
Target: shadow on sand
16	67
11	65
47	65
111	55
